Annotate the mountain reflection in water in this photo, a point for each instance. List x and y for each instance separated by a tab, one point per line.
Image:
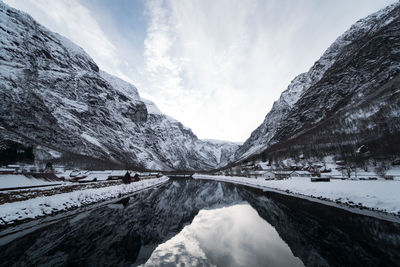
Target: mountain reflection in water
210	223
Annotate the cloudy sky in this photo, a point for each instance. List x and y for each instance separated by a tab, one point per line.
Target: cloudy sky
215	65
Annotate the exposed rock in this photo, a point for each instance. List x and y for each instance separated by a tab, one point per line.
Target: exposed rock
53	95
349	96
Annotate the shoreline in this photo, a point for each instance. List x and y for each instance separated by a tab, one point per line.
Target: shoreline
85	203
355	208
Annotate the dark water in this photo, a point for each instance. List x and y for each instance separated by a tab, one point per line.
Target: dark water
201	223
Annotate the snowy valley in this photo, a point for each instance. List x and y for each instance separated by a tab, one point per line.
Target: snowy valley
91	173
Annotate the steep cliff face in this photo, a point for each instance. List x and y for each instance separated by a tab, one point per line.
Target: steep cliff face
349	96
53	96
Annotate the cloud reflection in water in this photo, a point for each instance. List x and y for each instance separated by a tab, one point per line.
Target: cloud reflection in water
226	236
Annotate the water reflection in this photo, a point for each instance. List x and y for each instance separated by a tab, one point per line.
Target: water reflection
227	236
204	223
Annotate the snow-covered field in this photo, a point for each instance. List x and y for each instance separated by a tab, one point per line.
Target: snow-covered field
41	206
377	195
19	180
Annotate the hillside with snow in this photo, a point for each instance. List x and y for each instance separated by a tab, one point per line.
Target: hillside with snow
348	98
55	100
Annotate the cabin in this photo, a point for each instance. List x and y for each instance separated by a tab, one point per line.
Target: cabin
116	175
127	178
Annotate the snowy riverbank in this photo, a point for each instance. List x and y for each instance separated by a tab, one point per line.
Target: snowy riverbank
377	195
19	180
46	205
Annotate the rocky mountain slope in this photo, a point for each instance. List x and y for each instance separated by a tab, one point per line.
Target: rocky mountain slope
350	96
54	97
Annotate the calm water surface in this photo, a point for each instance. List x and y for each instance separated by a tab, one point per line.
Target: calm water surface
226	236
205	223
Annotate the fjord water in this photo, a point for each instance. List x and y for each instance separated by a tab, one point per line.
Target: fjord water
226	236
206	223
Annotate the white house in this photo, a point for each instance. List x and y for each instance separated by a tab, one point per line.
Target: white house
263	166
395	173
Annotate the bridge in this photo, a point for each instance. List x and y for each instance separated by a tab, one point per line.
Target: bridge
178	175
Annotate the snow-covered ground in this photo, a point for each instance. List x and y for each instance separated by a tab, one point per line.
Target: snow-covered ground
41	206
377	195
19	180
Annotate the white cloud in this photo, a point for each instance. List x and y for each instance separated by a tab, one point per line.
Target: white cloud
218	66
76	22
211	64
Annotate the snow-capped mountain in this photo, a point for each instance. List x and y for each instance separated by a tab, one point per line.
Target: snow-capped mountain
350	96
54	97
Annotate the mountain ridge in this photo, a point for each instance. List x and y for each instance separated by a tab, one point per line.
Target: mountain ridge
55	97
282	123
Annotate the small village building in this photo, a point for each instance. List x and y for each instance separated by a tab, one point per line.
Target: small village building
49	167
127	178
135	178
74	173
393	174
249	166
16	168
64	175
7	171
115	175
30	168
340	162
269	175
263	166
96	176
280	175
295	167
78	175
300	174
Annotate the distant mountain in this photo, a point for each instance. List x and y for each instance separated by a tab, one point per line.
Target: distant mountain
56	101
349	97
